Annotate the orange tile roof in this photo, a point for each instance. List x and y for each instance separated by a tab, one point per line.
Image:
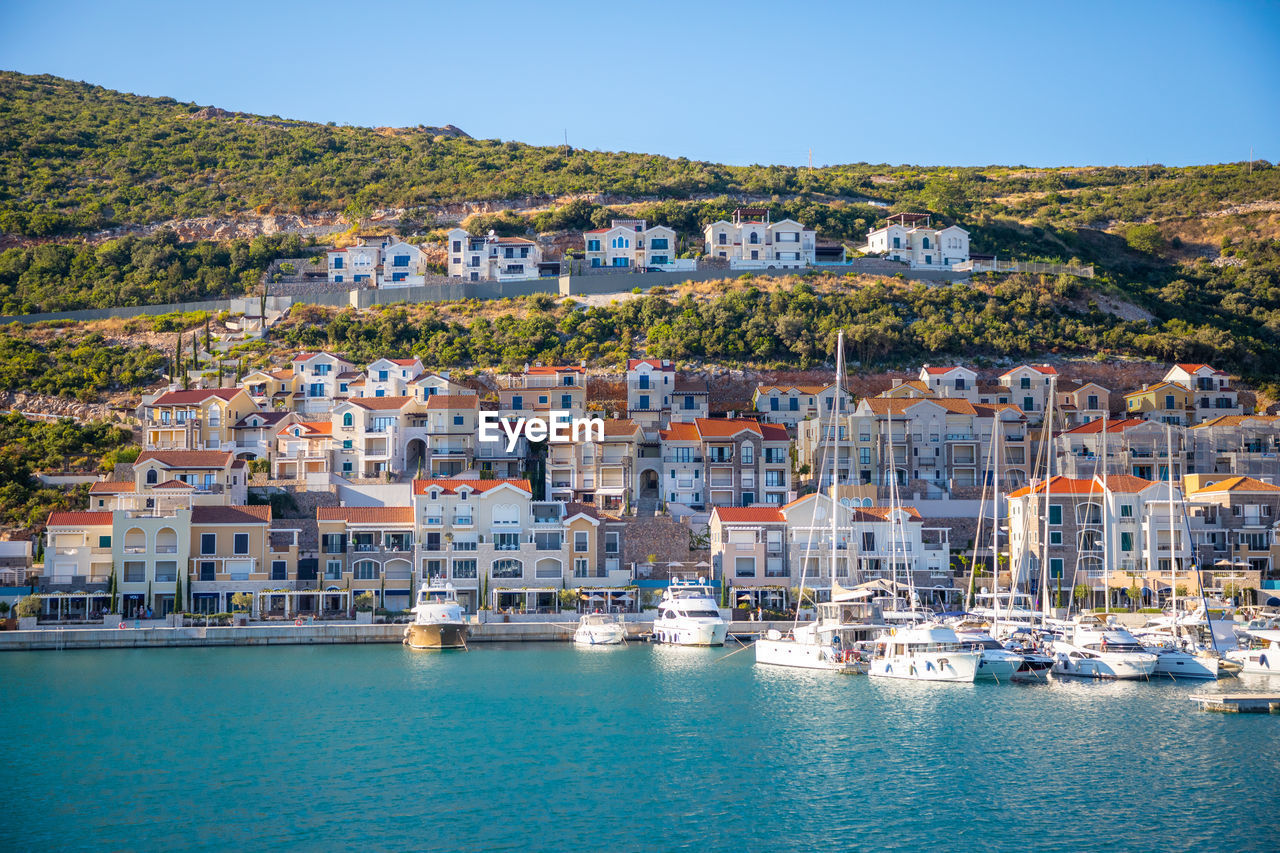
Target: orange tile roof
1060	485
752	514
453	401
725	427
380	404
110	487
230	514
313	429
1095	427
803	389
366	514
1238	484
544	369
451	486
655	363
774	432
679	432
186	398
939	371
187	458
1038	368
1237	420
404	362
1193	368
171	485
81	519
620	427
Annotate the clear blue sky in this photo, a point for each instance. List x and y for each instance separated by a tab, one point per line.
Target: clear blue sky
1073	83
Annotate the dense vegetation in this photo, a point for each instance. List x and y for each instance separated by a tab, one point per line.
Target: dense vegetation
28	446
76	157
885	324
151	270
78	365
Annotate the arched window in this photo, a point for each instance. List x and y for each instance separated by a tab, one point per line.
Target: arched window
152	479
507	569
366	570
755	238
347	420
926	243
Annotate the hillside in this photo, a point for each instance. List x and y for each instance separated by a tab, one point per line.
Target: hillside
77	158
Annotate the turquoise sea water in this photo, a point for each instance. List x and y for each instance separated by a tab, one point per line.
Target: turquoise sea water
550	747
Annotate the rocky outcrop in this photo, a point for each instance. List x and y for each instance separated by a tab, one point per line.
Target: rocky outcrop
44	406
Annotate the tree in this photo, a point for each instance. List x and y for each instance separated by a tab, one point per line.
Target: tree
242	601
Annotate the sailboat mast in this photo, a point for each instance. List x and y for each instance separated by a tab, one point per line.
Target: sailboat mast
1173	559
835	457
1047	442
1106	538
995	519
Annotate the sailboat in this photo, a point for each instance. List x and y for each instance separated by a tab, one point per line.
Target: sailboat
832	641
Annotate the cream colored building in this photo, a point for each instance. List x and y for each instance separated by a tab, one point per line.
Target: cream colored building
197	420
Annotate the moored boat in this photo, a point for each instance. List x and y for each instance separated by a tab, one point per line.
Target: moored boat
923	653
438	620
1092	649
600	629
688	615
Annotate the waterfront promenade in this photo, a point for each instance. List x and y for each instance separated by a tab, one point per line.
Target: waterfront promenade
154	635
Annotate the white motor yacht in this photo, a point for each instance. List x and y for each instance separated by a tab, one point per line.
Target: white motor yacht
600	629
923	653
1263	657
1092	649
688	615
438	620
996	662
832	642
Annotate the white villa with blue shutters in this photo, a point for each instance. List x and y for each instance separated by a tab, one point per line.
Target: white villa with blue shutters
910	238
378	261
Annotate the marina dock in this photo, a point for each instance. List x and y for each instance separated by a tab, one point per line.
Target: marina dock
1238	703
54	639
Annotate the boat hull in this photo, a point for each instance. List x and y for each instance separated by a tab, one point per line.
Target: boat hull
927	666
807	656
685	633
1122	667
599	635
997	667
440	636
1256	661
1179	664
1034	670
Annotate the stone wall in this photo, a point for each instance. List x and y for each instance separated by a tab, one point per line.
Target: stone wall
666	538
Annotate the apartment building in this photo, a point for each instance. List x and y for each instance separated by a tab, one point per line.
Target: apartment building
650	385
427	384
1131	446
937	444
319	383
442	439
1031	388
491	258
599	473
370	435
1130	521
751	241
790	404
912	239
390	377
213	476
544	388
196	420
1082	402
749	549
273	390
632	244
229	552
948	381
871	542
1248	445
304	449
498	457
255	433
1233	524
725	462
378	261
1163	402
369	549
1211	393
78	553
500	548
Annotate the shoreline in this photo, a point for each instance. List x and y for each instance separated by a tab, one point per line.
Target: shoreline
60	639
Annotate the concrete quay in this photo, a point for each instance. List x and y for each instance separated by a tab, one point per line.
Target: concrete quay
58	639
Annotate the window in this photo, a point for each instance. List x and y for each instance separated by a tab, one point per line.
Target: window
1092	402
1126	541
745	567
333	570
207	570
1126	510
279	570
333	543
755	238
400	261
152	477
1055	567
240	544
580	542
1055	514
864	455
506	541
337	262
644	402
773	478
868	541
724	238
611	543
925	245
1168	402
367	570
208	543
748	454
104	541
458	420
464	568
507	569
346	444
1055	537
1025	382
